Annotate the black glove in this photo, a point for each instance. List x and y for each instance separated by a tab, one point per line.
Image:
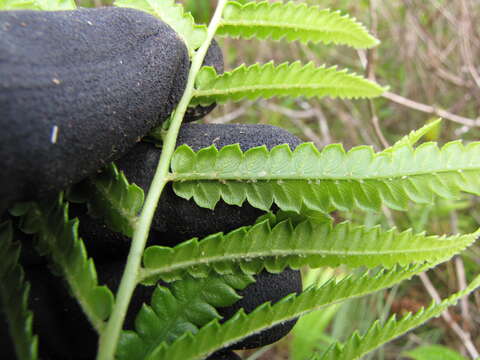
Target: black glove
175	221
77	90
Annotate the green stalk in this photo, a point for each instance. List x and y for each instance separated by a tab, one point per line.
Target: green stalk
109	337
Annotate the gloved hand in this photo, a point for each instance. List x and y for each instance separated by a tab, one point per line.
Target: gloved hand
175	221
79	88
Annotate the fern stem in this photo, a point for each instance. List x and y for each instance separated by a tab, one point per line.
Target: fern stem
109	337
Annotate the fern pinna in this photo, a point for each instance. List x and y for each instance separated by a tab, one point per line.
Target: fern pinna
186	284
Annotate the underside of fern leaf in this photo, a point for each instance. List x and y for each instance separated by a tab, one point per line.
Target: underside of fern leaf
358	346
268	80
58	239
14	297
183	306
215	336
329	179
173	14
292	21
305	244
112	198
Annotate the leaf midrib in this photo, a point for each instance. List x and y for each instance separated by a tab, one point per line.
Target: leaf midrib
251	88
252	177
269	253
291	26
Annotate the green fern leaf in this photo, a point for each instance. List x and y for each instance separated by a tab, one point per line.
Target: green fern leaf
215	336
268	80
173	14
308	243
111	198
14	297
56	5
18	5
46	5
428	352
184	306
326	180
293	21
58	238
415	136
358	346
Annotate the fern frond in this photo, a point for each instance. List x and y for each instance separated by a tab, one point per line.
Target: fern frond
18	5
56	5
58	238
358	346
427	352
286	79
293	21
326	180
215	336
173	14
14	297
184	306
112	198
46	5
306	244
415	136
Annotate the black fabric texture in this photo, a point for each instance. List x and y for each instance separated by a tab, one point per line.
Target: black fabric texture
64	331
226	355
102	77
102	243
214	57
268	287
179	219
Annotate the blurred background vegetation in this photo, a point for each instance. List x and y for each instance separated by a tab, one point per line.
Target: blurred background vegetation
429	57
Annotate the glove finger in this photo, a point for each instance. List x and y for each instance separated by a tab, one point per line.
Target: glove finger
78	89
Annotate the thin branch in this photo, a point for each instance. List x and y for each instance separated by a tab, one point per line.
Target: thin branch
464	337
431	110
462	285
322	120
461	278
233	115
297	114
370	74
295	117
465	26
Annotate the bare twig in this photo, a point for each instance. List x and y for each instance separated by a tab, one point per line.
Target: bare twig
461	277
464	336
370	74
466	47
235	114
444	11
462	285
322	119
297	114
295	117
352	120
431	110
